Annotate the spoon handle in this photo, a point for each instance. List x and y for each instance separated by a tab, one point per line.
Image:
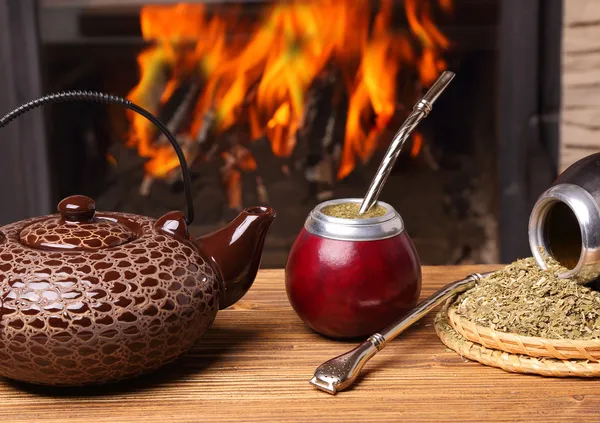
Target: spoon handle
340	372
420	111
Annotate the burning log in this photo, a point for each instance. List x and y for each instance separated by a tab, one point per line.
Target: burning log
302	95
180	106
269	167
319	169
320	132
238	161
146	185
261	189
200	142
148	93
234	189
204	144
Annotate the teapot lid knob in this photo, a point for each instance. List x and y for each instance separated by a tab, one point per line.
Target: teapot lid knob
77	208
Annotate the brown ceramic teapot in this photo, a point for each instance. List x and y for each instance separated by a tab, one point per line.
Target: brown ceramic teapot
92	297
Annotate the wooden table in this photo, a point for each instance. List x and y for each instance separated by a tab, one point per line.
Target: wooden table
255	363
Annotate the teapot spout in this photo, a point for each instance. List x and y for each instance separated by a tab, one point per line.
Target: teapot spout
237	251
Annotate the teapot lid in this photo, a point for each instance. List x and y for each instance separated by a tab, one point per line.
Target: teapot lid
77	228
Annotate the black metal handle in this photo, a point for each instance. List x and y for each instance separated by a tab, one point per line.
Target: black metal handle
112	99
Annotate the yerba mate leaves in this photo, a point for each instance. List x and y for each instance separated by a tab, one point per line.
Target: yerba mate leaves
350	211
526	300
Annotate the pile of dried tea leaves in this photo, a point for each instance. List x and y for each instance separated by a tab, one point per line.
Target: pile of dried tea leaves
526	300
350	211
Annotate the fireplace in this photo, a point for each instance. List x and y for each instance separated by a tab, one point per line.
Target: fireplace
289	104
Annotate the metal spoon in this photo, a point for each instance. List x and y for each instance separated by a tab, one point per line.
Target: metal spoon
340	372
420	111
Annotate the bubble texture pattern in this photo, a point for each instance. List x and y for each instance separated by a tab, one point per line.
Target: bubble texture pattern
55	233
74	317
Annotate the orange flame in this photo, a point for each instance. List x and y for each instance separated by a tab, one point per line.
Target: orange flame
431	39
112	161
263	76
237	161
417	143
374	92
446	5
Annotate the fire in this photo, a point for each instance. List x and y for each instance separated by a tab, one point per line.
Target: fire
417	143
374	91
278	126
446	5
432	40
259	73
238	160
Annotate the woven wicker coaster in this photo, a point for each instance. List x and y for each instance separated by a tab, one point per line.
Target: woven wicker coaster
562	349
511	362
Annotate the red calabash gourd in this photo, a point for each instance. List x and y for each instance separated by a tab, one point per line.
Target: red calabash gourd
349	278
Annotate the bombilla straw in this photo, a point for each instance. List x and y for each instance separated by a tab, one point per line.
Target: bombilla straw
340	372
420	111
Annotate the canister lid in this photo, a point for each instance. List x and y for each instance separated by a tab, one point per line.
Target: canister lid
371	229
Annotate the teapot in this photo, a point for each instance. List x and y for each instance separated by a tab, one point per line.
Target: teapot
89	297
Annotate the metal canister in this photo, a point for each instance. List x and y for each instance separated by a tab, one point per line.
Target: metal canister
565	222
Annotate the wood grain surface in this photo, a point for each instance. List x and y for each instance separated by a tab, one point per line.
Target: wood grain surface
255	363
580	114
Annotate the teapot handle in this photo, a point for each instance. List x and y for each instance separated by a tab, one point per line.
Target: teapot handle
112	99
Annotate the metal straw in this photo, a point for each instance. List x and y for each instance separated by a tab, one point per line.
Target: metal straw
340	372
420	111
